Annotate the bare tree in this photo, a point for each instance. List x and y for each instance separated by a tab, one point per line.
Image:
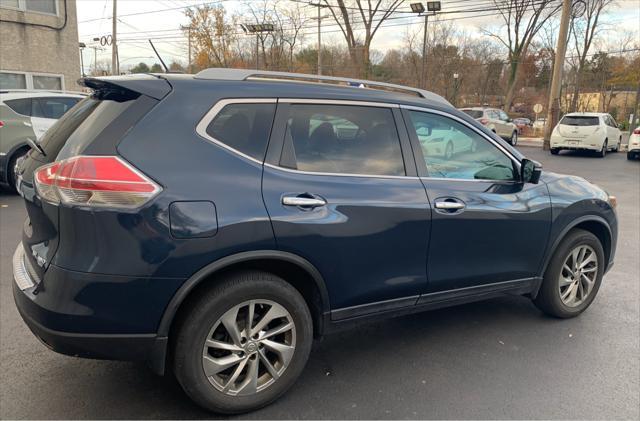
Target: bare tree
370	16
522	21
584	30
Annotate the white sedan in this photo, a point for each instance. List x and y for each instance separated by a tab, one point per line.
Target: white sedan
634	144
596	132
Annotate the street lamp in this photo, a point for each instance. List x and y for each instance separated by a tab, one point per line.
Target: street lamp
433	7
257	29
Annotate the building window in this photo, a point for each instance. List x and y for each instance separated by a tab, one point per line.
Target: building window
47	82
49	7
26	80
13	81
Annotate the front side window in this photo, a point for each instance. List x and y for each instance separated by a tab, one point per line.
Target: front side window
244	127
453	150
343	139
503	116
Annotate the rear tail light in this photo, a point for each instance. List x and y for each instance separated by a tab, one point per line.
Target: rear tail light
100	181
636	131
484	121
1	123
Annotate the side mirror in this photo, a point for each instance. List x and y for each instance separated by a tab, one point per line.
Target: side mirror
530	171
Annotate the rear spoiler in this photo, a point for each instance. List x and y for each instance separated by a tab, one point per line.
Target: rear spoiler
152	86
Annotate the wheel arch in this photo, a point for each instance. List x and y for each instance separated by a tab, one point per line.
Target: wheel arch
296	270
594	224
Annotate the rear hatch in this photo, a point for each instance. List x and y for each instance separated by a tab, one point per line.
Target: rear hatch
93	127
578	127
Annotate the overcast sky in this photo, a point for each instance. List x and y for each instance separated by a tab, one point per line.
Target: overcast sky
160	20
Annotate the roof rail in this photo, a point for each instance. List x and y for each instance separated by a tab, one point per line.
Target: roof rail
219	73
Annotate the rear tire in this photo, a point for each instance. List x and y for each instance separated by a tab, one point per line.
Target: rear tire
204	328
556	280
554	151
603	151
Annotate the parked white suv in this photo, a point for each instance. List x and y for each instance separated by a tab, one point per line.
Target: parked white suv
634	144
596	132
495	120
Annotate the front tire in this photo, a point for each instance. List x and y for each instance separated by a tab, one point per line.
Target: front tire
12	177
514	138
554	151
243	343
573	276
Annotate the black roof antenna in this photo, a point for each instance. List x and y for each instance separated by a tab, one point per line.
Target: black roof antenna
166	69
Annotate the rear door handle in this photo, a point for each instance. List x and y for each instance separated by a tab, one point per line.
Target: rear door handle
304	201
449	205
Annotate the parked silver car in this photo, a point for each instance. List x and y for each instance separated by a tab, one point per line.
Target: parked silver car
495	120
24	118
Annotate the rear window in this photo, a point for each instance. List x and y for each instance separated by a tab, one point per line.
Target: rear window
20	106
580	121
244	127
474	113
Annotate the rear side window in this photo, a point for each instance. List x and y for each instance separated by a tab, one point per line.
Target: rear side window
473	113
20	106
580	121
244	127
343	139
52	107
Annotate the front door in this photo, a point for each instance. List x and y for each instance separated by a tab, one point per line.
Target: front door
341	196
487	227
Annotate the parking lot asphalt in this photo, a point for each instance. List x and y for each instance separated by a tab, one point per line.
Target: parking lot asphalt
495	359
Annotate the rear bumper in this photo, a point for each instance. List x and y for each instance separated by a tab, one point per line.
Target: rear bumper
68	327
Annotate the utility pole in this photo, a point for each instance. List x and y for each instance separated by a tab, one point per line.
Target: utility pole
319	41
188	28
553	110
115	67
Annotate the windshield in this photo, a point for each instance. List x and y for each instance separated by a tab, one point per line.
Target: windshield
579	121
473	113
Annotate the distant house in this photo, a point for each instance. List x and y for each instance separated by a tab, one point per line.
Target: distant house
39	45
616	102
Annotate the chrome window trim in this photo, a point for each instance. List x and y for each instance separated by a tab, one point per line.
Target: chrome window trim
201	130
314	101
201	127
291	170
461	121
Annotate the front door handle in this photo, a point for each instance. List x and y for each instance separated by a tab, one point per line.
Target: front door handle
303	201
449	205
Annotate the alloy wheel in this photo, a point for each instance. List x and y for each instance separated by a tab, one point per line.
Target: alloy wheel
578	275
249	347
514	138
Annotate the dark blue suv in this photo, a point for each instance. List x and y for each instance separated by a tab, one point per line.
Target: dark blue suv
215	224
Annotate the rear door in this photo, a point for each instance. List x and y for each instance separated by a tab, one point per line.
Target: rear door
341	189
487	228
